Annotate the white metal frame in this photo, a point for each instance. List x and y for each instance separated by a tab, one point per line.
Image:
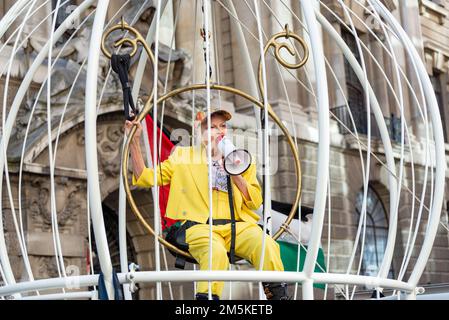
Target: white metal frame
314	24
91	146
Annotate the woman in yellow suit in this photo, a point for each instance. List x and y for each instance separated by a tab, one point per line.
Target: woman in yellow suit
186	171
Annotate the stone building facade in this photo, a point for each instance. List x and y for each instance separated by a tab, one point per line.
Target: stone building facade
346	180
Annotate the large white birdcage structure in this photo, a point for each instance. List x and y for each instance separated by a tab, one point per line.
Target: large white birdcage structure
314	20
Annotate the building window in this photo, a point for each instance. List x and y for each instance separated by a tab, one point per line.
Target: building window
355	93
357	103
354	87
438	80
375	235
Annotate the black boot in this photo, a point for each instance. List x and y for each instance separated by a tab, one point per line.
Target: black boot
374	294
205	296
276	290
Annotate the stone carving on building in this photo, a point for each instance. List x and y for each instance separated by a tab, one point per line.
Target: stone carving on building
110	140
430	9
47	267
10	233
69	77
68	195
436	58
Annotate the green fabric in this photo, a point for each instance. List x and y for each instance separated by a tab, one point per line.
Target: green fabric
289	256
177	224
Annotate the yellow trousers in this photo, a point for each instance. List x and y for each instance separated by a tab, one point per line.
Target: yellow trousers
248	245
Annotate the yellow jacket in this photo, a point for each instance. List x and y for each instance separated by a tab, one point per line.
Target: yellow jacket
187	173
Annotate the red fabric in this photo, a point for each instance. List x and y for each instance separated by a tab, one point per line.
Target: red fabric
166	147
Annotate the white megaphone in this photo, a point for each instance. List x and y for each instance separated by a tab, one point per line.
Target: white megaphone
236	161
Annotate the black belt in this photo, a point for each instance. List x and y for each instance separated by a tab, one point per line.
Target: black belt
215	222
219	222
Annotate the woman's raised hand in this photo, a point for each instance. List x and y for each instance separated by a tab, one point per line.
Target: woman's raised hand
129	125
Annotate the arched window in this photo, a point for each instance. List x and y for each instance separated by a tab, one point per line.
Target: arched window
376	233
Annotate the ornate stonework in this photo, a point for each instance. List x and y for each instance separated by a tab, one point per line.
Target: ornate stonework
110	140
47	267
68	205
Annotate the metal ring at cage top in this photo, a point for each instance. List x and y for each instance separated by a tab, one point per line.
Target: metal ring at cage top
147	109
277	53
133	42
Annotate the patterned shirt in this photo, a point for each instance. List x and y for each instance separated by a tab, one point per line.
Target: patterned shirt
219	180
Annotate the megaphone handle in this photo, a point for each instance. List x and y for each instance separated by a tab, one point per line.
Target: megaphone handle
233	231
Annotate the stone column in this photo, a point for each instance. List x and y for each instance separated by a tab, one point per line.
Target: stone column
241	80
188	36
276	72
337	62
377	79
276	91
411	22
